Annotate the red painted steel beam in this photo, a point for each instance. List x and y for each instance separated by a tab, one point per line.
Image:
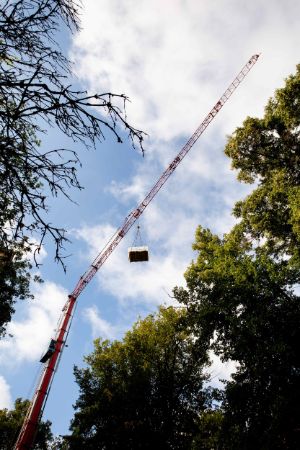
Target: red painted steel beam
27	434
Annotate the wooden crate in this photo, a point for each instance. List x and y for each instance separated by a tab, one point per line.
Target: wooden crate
138	254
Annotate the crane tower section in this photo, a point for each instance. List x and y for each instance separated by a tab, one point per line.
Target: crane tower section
34	413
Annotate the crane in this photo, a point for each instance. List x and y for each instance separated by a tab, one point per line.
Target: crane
28	431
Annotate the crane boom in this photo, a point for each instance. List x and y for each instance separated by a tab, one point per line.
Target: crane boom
34	413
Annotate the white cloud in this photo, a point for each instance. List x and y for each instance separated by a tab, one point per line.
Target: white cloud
220	370
100	326
174	59
138	282
296	289
5	396
174	65
190	197
32	332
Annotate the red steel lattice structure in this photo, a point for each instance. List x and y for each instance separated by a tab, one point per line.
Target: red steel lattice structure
28	431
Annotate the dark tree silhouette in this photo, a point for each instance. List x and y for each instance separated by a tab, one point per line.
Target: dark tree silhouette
242	294
35	94
11	422
143	392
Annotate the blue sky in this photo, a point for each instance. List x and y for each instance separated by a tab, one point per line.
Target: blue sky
173	59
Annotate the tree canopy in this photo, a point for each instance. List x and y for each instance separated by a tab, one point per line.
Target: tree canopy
241	302
267	151
145	391
11	422
242	288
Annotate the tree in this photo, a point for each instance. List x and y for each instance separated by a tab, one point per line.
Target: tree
210	429
143	392
242	302
267	151
11	422
36	91
241	294
14	280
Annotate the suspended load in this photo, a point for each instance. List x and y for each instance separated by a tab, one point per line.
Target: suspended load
138	253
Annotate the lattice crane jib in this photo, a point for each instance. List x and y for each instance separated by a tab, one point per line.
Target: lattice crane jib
29	428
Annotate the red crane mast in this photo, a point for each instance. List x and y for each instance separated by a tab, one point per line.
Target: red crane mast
34	413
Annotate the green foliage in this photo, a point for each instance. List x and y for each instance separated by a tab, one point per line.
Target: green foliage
16	180
241	295
14	280
241	302
210	431
143	392
10	425
267	151
269	144
233	280
58	443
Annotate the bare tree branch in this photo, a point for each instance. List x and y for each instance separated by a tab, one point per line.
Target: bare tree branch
34	87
